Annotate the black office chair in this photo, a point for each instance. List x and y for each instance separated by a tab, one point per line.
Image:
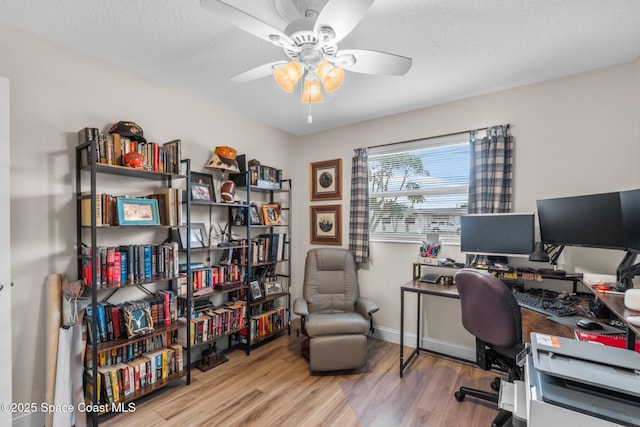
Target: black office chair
491	313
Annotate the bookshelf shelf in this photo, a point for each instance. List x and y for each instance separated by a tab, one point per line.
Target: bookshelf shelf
132	342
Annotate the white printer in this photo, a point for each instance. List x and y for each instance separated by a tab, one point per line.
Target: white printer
575	383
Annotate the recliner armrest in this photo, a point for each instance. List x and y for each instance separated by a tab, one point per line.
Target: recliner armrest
365	306
300	307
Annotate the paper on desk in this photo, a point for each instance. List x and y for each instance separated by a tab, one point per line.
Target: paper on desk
598	279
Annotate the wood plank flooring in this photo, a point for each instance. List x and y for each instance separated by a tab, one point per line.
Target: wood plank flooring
274	387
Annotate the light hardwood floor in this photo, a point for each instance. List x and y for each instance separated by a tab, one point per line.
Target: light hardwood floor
274	387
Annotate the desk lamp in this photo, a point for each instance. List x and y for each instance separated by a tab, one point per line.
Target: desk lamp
547	253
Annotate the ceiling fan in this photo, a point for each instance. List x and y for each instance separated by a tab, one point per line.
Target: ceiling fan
310	42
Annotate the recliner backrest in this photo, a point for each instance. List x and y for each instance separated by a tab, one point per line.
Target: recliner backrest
490	312
330	280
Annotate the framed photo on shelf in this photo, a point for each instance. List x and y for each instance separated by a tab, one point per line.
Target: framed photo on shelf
138	320
271	288
254	214
326	180
326	224
255	291
238	215
198	237
271	214
137	211
202	187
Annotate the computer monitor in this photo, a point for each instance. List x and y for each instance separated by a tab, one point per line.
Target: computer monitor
628	269
505	234
630	203
593	221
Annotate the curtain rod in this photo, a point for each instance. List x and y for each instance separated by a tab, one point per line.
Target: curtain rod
436	136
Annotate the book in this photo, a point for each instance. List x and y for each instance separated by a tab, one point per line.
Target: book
85	209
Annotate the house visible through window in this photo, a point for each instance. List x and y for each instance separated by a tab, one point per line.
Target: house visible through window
419	187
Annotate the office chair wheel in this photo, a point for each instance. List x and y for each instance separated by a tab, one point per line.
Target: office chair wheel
459	396
495	384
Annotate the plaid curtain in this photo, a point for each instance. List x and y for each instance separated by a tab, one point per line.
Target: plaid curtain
491	172
359	215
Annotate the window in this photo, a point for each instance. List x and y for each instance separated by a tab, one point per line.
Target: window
419	187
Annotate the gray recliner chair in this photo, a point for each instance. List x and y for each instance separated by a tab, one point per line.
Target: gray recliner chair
333	314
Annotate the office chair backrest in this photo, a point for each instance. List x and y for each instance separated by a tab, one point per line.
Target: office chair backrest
330	280
490	312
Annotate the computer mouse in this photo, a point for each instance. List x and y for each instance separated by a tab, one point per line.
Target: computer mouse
588	324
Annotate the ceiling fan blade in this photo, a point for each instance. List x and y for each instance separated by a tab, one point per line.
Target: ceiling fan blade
374	62
257	72
245	21
341	16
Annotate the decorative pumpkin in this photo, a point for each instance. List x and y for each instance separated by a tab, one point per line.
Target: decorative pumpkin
133	159
228	191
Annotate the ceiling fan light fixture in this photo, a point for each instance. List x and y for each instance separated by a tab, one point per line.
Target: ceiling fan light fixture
288	76
312	93
330	75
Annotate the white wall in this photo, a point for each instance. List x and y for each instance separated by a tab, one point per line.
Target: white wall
573	135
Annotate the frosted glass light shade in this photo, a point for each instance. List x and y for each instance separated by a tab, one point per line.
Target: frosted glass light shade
330	75
312	93
288	76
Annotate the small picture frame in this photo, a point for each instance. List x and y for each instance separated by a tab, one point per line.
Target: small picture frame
271	214
198	237
273	287
326	224
138	320
326	180
137	211
255	291
202	187
254	214
238	215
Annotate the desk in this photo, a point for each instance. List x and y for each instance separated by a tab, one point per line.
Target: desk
615	303
419	288
532	321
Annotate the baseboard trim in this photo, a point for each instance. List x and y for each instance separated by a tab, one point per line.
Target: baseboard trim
437	346
35	419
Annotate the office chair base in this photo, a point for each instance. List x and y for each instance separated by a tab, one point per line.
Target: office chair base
479	394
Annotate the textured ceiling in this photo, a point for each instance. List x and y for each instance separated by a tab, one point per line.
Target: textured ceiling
460	48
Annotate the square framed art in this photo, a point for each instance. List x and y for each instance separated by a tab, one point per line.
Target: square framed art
326	224
326	180
202	187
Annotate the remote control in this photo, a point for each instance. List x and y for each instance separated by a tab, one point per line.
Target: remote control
634	320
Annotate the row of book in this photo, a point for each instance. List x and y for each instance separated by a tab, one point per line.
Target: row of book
133	350
263	325
111	322
169	207
265	176
266	247
217	276
130	264
215	322
111	149
117	382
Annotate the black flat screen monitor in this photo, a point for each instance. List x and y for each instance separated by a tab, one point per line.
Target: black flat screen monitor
497	234
630	201
593	221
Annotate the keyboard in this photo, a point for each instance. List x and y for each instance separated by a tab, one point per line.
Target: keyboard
430	278
548	306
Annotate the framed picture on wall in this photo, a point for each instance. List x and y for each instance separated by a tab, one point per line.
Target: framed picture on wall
326	224
326	180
